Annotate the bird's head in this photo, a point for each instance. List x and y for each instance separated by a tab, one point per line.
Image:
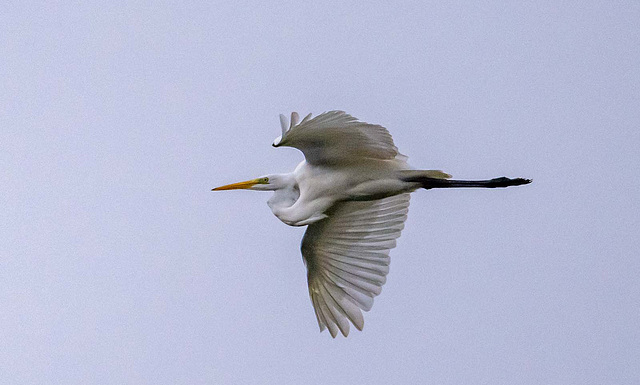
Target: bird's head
264	183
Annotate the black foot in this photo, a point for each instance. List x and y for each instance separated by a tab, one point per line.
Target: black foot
506	182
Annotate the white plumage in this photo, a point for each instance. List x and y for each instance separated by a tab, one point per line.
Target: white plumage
347	258
352	190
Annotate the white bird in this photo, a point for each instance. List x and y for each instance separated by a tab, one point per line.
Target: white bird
352	191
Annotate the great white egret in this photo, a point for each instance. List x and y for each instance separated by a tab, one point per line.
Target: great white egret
352	191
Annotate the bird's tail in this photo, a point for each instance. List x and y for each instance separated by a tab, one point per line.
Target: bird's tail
437	179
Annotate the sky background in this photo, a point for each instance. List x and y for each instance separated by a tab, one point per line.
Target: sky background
118	265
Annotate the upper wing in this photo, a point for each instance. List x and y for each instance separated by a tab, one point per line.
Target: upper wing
336	137
347	258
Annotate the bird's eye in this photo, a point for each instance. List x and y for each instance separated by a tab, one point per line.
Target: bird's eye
265	180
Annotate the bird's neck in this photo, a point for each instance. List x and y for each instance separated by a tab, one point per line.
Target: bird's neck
285	195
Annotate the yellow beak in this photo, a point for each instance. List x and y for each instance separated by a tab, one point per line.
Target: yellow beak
240	185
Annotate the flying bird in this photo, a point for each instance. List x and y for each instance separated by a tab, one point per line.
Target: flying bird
352	192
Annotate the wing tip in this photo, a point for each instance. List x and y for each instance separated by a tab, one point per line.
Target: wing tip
284	123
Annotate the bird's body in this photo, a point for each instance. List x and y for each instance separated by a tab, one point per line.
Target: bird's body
352	190
312	189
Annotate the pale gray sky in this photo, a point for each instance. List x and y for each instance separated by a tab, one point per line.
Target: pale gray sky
118	265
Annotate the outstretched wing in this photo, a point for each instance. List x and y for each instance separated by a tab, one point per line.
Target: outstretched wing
347	258
336	137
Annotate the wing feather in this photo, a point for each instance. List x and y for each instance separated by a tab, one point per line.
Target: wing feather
347	259
337	311
337	137
349	305
327	317
358	295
